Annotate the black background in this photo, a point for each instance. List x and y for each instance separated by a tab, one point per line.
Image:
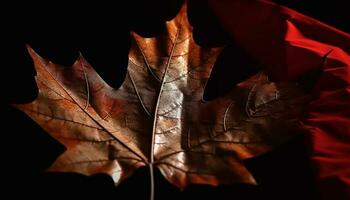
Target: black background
57	31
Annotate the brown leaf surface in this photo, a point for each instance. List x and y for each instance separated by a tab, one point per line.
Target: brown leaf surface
158	118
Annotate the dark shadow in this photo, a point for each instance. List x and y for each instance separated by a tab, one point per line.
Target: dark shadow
233	66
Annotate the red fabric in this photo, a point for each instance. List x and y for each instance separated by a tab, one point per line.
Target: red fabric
290	44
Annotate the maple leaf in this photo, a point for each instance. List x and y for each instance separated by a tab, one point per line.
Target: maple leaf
158	118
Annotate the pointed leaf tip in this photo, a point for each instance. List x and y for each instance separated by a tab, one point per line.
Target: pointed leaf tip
81	61
37	59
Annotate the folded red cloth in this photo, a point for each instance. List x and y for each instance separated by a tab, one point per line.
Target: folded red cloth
291	45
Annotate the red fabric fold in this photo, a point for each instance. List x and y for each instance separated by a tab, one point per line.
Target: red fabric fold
290	45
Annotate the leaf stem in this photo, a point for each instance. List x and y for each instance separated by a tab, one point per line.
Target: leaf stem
151	173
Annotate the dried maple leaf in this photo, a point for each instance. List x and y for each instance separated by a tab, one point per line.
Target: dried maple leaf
158	118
